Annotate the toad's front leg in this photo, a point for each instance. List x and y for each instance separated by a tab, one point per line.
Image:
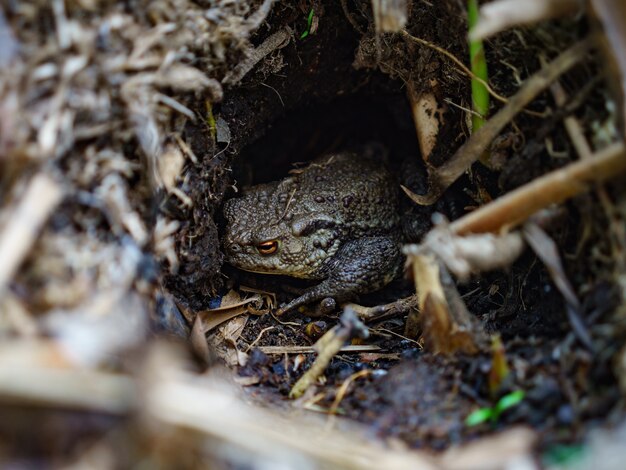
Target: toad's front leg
360	266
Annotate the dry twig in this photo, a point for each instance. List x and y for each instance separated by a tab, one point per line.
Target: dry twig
352	348
37	373
392	309
41	197
553	188
329	345
275	41
447	326
440	178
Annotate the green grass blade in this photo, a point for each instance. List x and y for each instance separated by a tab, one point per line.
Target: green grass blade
480	95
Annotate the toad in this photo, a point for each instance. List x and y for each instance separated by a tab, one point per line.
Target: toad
335	221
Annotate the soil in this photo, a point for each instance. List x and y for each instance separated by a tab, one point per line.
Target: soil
339	88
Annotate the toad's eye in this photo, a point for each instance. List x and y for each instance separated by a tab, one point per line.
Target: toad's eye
268	247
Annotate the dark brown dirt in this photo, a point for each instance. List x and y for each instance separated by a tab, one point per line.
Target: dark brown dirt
309	98
96	95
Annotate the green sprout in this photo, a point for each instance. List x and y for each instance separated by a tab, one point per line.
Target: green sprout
564	455
480	95
482	415
309	22
210	120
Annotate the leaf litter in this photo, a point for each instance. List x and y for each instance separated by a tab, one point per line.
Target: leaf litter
106	192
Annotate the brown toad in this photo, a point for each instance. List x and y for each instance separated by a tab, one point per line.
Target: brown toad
335	221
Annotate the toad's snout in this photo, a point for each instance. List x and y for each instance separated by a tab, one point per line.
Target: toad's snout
235	249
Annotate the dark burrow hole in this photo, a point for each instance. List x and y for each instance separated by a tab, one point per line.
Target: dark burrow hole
380	121
369	122
291	119
377	119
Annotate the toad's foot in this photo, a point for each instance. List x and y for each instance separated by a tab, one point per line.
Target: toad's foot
360	266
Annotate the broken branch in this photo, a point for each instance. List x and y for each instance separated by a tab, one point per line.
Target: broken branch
440	178
552	188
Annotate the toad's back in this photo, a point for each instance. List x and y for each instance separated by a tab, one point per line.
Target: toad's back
358	193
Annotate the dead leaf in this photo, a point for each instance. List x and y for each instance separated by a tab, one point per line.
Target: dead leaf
470	254
211	320
499	366
233	305
224	341
232	330
447	326
426	116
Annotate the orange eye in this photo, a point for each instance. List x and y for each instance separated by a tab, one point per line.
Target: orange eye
268	247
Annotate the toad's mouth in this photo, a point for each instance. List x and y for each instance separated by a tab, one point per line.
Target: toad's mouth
296	272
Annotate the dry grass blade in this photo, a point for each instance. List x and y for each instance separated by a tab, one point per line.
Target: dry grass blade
311	349
343	389
440	178
270	437
552	188
198	341
505	14
210	409
329	345
181	405
612	16
500	448
41	197
577	136
573	127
